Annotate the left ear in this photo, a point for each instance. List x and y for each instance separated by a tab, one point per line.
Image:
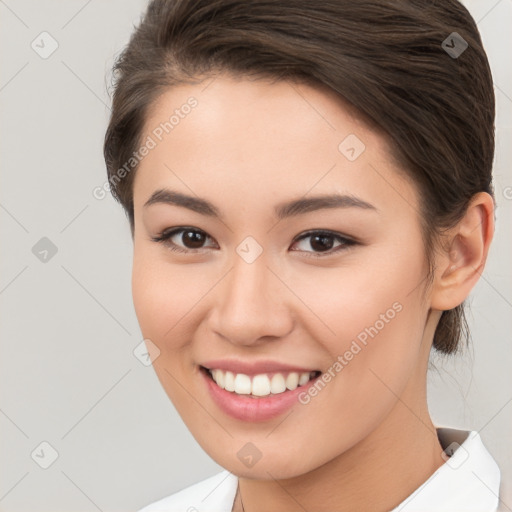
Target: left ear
460	264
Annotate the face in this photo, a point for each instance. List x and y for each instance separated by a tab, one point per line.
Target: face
277	250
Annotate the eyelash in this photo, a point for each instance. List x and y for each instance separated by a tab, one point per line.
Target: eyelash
165	235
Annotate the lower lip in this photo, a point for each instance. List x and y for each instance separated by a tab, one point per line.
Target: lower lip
246	408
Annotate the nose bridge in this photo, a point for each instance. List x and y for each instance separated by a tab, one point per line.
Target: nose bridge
250	305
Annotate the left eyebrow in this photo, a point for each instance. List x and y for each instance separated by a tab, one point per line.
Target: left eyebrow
309	204
282	210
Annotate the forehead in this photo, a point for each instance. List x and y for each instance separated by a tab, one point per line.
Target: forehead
262	103
264	139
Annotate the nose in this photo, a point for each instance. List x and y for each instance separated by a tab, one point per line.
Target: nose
252	305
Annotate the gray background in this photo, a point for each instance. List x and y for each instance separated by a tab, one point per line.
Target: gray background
68	328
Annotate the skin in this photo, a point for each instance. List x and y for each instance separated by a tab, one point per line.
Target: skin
247	146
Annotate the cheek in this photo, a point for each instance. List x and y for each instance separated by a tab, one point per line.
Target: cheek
365	294
162	296
375	315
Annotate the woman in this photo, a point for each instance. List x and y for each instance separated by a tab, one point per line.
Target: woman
309	191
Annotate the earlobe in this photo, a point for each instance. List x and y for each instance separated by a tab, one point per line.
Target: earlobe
459	267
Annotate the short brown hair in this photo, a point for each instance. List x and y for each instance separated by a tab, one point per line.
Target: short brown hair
391	59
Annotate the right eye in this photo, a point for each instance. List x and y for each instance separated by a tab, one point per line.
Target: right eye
191	239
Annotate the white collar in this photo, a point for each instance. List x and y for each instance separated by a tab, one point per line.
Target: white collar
467	482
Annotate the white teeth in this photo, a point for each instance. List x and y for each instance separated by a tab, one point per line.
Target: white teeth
218	377
292	381
260	385
304	377
242	384
277	384
229	381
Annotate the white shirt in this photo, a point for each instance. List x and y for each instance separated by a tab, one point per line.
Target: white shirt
468	481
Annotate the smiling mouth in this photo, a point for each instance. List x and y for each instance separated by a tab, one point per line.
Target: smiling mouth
261	385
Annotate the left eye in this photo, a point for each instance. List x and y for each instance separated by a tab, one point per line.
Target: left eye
323	242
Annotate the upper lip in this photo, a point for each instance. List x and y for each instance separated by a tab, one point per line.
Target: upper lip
252	367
